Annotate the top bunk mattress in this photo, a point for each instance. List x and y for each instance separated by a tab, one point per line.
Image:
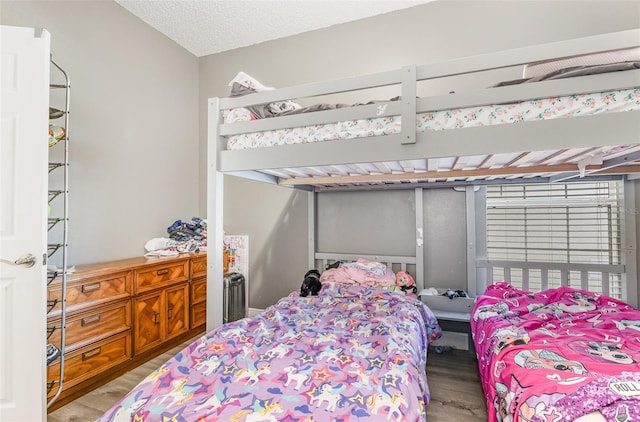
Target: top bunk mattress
456	118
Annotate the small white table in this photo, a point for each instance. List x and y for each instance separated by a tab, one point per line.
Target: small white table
456	322
453	315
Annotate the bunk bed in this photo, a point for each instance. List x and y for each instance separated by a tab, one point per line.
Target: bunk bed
356	349
558	354
579	122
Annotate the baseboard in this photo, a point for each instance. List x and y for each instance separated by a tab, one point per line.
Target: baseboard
255	311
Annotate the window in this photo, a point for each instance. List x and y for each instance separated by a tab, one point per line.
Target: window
576	223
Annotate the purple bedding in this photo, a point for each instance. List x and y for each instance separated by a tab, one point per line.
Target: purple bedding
352	353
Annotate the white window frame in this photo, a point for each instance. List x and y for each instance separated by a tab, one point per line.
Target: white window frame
482	273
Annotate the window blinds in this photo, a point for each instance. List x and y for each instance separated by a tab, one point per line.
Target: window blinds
556	223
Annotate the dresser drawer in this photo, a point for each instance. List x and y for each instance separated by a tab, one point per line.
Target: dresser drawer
198	314
90	326
155	276
198	290
86	362
91	291
199	267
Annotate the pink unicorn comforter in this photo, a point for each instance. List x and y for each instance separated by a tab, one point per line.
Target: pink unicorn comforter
557	355
352	353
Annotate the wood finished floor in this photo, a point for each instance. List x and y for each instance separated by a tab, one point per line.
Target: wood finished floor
456	394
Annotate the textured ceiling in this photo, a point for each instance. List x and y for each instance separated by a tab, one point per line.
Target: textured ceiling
210	26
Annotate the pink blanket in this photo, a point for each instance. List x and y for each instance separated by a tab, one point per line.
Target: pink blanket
557	355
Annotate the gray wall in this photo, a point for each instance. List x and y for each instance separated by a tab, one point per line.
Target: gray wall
275	219
428	33
367	222
134	124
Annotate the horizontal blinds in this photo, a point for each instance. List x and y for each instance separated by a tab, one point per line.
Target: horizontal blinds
559	223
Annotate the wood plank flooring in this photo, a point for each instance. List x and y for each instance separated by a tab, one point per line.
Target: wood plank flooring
456	394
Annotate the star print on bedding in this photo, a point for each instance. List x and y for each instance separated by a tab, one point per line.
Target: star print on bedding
352	353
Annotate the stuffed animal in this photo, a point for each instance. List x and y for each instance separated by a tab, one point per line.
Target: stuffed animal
311	283
406	282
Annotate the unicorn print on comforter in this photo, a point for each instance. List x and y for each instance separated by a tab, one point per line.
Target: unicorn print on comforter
352	353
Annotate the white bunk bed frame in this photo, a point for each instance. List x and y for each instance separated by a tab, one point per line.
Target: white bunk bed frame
298	165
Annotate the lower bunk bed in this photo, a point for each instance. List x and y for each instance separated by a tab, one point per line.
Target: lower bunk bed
355	351
561	354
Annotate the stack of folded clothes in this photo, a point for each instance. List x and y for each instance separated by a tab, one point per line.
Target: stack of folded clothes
182	231
184	236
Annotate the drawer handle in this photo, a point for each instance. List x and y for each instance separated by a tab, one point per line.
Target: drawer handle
156	318
91	353
90	320
91	287
162	271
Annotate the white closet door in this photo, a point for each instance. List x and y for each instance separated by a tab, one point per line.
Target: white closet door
24	81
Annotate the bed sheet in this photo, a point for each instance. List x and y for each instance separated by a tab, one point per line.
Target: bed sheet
350	353
557	355
541	109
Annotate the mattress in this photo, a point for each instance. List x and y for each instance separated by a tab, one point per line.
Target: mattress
541	109
350	353
558	355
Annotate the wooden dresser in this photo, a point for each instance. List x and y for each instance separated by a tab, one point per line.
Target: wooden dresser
123	313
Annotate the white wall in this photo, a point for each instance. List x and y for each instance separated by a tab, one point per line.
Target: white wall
423	34
134	124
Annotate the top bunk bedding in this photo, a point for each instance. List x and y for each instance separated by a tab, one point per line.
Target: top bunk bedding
586	98
457	118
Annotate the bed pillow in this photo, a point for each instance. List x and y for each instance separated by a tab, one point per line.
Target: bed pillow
362	272
244	84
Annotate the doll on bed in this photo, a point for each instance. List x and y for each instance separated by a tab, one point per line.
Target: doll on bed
406	283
